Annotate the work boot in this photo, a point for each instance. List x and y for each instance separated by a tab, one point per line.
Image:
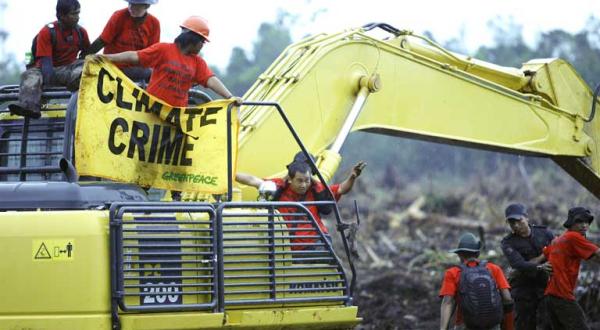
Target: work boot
21	110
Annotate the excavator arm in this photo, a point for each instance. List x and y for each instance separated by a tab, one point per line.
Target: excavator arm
406	85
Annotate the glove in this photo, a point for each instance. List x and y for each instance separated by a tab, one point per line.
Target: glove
237	101
267	187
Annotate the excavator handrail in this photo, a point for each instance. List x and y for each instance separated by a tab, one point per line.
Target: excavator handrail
291	130
341	226
301	209
11	93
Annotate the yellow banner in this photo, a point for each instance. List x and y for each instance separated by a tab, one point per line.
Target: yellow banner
127	135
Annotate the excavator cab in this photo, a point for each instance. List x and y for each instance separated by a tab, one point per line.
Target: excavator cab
90	253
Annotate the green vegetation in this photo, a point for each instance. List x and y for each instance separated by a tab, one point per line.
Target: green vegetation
243	69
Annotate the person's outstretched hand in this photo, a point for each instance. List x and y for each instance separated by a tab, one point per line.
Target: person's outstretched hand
358	168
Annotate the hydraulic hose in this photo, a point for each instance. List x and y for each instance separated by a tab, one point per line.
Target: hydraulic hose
594	100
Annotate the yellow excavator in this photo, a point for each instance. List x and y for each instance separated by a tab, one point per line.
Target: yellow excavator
104	255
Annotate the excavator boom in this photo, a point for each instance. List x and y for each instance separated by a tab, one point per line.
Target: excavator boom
404	87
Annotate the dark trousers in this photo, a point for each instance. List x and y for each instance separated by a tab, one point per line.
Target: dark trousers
530	310
565	314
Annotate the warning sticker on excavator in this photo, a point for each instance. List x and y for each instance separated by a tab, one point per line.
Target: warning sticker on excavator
127	135
53	250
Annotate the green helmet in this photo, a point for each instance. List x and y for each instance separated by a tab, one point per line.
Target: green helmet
467	243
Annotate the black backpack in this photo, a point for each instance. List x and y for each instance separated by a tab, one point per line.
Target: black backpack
479	297
52	29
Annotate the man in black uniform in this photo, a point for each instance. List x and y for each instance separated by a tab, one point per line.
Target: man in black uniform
523	249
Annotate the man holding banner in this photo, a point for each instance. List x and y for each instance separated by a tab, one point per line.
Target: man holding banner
176	66
189	163
152	137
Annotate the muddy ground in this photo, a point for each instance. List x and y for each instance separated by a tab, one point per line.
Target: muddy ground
404	236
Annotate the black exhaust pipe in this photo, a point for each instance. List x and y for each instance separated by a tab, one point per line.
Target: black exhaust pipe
68	170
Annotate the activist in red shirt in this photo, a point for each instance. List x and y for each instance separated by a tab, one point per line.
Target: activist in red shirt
177	66
68	41
565	254
468	251
298	186
54	63
131	28
289	194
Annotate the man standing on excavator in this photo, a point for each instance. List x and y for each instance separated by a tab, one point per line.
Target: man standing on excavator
176	66
299	186
523	248
131	28
54	59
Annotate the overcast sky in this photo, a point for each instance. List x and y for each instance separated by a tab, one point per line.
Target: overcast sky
235	22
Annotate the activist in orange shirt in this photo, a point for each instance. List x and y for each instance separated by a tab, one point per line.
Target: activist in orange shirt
480	280
177	66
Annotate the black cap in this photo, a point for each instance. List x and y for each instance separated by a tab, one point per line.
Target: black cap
301	157
578	214
515	211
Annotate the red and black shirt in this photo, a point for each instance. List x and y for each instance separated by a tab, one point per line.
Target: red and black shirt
67	45
288	195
